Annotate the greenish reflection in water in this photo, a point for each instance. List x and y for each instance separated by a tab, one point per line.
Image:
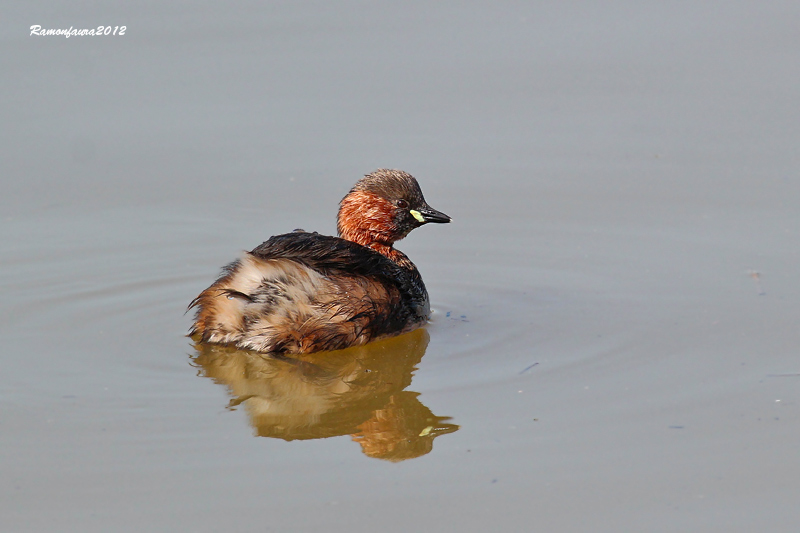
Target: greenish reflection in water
359	392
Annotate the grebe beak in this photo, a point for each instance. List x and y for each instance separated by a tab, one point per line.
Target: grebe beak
427	214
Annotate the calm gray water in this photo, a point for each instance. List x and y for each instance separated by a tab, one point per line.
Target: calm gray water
614	345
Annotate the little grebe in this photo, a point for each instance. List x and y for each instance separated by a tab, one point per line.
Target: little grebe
304	292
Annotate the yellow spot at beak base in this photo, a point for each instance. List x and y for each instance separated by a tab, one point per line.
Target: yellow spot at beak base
416	214
427	431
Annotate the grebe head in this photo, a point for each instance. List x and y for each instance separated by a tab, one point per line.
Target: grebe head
383	207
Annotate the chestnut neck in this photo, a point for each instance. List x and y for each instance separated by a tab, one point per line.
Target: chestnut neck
368	219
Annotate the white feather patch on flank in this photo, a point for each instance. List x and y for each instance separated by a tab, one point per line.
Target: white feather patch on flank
226	315
283	293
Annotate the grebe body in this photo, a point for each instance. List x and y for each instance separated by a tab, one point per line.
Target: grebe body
304	292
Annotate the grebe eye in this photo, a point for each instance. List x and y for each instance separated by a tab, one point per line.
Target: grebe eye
402	204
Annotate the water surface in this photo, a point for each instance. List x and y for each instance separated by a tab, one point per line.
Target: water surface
614	342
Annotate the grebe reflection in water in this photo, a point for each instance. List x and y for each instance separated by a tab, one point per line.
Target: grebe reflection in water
358	392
